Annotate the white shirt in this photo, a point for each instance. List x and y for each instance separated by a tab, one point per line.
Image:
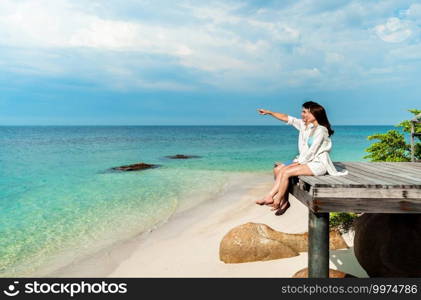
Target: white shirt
319	149
304	132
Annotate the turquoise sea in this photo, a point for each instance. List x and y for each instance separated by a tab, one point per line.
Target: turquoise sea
58	199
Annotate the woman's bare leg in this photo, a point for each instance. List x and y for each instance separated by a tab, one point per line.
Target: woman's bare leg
276	186
296	170
276	169
268	199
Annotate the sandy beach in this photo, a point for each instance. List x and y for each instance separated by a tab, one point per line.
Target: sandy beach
188	244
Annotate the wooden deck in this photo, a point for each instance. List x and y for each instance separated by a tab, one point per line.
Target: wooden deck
375	187
371	187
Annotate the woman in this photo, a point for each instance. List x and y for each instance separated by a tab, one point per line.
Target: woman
314	159
279	167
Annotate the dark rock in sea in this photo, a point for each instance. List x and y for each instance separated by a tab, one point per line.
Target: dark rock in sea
182	156
135	167
388	245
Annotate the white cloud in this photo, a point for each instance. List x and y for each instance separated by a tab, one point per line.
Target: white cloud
385	70
314	72
414	11
308	76
45	24
277	31
227	45
332	58
48	25
393	31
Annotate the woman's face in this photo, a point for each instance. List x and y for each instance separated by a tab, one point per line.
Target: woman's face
304	114
310	117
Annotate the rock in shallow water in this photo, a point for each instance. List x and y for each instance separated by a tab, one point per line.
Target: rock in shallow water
258	242
182	156
135	167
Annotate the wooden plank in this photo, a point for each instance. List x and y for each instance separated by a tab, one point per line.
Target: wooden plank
327	180
404	163
360	181
381	178
369	205
359	175
379	172
405	170
322	179
401	171
398	166
351	193
312	180
364	173
303	196
332	181
341	179
352	182
355	178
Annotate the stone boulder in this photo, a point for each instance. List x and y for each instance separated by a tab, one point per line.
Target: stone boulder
303	273
258	242
135	167
388	245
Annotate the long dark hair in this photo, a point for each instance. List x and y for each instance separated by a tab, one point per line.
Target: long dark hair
308	104
319	113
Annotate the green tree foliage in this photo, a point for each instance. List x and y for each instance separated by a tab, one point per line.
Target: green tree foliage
392	145
342	221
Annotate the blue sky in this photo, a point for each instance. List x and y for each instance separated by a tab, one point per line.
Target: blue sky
207	62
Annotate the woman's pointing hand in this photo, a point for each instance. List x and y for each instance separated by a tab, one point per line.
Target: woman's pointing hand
263	111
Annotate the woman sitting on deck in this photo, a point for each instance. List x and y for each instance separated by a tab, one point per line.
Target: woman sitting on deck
280	166
313	160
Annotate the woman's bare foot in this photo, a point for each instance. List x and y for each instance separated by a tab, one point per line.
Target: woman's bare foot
277	202
266	200
283	208
261	201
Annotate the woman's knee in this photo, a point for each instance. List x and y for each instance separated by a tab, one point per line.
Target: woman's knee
287	173
277	169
